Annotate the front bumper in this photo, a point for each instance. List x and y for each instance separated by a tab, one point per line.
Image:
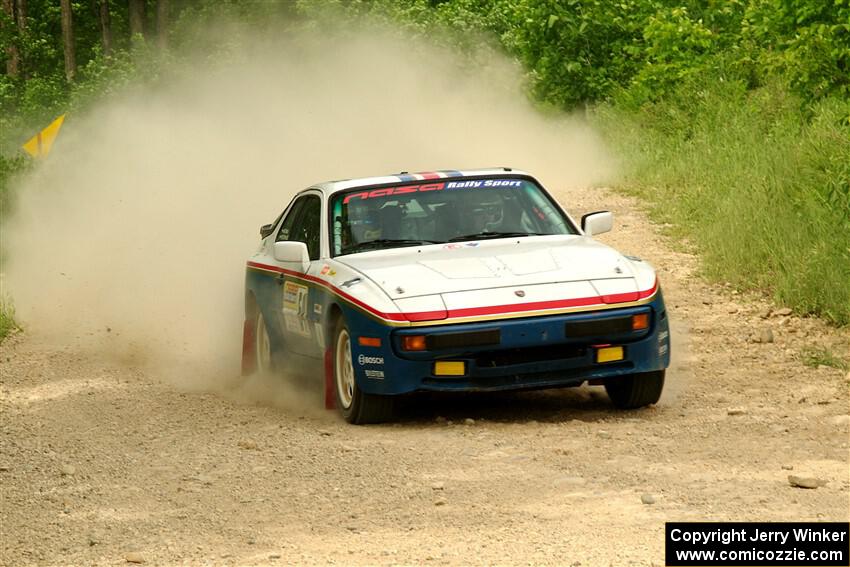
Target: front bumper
526	353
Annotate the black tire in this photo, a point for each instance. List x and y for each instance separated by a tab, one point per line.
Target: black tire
355	406
636	390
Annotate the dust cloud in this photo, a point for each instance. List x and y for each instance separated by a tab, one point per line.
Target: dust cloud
131	239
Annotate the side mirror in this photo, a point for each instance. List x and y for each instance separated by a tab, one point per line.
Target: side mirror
293	253
597	223
266	230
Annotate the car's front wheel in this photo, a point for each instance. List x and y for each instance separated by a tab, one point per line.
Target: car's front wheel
635	390
355	405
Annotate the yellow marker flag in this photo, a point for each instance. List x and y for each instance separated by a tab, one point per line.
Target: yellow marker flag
40	144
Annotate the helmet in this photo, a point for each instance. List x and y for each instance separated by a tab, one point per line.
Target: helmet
487	211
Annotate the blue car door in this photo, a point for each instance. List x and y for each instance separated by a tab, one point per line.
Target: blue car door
300	331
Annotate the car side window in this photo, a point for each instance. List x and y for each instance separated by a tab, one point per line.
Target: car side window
302	224
308	225
287	229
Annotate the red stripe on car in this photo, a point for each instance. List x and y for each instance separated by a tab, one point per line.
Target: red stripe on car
470	311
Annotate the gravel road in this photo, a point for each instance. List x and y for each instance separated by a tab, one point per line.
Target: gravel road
105	463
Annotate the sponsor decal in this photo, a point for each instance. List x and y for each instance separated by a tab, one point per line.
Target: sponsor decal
389	191
364	360
662	349
317	308
481	183
377	374
320	335
407	189
452	246
290	295
471	244
295	308
663	335
327	271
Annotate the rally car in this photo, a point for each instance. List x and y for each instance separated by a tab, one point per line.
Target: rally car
449	281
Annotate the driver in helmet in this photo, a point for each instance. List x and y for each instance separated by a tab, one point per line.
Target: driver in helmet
485	211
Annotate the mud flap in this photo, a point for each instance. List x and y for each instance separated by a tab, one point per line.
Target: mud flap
249	351
330	398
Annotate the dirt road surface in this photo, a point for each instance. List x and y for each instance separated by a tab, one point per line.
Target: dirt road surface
102	464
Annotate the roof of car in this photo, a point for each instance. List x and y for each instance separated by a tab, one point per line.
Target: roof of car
330	187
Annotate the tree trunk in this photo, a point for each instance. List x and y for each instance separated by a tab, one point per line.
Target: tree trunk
137	17
105	27
68	39
162	24
21	8
13	56
21	16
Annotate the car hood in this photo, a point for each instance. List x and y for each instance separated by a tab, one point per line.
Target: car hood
493	272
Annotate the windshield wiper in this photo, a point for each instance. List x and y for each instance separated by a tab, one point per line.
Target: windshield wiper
489	234
387	242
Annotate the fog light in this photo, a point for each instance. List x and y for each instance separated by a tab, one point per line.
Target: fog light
413	342
449	368
609	354
640	321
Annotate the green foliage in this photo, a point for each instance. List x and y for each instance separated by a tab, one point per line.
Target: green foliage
820	356
7	319
759	187
10	168
732	115
805	41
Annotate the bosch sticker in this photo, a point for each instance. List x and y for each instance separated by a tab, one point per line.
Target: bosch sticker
364	360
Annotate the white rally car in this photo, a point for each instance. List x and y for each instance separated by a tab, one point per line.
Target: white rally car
449	281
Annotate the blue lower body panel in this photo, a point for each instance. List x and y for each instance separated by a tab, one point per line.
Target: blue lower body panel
511	354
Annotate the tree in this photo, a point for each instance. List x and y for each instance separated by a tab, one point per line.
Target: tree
137	17
105	27
162	24
68	40
13	55
21	18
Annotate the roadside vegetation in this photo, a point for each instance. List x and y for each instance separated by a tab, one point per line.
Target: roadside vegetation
7	319
815	357
731	118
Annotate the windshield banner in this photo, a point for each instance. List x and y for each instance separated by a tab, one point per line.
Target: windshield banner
405	189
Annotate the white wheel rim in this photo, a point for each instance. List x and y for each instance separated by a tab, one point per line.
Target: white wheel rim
264	350
344	370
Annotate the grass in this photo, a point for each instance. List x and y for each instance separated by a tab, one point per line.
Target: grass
820	356
761	188
7	320
9	169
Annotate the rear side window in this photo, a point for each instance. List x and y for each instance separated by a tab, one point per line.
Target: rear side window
302	224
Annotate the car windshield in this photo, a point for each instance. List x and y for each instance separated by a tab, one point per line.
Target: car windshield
441	212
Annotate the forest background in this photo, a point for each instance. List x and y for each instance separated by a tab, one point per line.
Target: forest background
731	118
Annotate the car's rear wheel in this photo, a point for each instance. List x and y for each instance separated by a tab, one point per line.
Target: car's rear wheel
262	345
635	390
355	405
